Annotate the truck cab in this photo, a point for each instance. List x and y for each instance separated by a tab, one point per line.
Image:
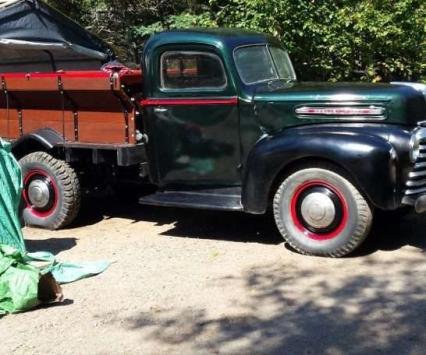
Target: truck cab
221	122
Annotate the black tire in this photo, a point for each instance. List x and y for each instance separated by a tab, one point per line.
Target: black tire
319	212
51	193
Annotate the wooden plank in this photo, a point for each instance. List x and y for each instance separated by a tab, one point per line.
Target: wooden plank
101	127
84	81
76	84
36	119
27	83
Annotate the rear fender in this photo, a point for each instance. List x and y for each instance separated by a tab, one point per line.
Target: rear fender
43	139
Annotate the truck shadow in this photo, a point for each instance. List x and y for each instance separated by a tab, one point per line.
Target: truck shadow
188	223
388	233
391	232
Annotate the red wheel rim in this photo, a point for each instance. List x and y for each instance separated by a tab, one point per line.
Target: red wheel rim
299	224
53	198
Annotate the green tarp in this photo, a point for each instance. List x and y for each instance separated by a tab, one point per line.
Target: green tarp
10	197
19	282
26	278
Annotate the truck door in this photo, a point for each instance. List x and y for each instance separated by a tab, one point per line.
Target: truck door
191	117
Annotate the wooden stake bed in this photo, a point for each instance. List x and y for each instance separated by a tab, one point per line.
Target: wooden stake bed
82	106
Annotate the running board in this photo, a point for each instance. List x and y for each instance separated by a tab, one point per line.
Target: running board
220	199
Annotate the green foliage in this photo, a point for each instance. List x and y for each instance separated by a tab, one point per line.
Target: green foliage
374	40
183	20
340	40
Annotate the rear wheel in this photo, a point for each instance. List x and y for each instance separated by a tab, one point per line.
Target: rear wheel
51	191
319	212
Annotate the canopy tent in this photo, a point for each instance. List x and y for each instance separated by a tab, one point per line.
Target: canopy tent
36	37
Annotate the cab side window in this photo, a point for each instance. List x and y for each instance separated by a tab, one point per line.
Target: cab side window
192	70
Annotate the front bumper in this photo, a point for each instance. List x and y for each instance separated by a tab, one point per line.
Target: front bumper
415	188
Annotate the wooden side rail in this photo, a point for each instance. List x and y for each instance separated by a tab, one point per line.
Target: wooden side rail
86	106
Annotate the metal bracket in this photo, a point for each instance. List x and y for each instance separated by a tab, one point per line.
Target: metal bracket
75	118
126	122
67	99
60	85
124	109
6	96
20	119
3	84
9	97
61	91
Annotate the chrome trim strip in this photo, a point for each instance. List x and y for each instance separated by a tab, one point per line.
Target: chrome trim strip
415	174
326	111
420	165
334	110
414	183
415	191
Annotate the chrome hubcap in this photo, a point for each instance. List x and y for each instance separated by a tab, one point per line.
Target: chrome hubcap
39	193
318	210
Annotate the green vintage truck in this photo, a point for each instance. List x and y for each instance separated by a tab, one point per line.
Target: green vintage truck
220	122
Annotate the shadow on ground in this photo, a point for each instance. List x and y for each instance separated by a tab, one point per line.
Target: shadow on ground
303	311
188	223
388	232
359	306
391	232
52	245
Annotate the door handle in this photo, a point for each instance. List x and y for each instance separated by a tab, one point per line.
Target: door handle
160	110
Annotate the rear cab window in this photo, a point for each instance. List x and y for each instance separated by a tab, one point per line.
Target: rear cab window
191	70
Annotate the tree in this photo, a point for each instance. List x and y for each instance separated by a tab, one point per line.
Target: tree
334	40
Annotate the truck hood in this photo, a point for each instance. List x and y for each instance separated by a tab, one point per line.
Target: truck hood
281	105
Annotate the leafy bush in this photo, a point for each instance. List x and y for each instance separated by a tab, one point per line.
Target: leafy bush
340	40
373	40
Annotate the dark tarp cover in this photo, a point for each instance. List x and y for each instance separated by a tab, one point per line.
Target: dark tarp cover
36	37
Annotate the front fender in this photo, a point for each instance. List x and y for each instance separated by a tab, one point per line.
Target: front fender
367	157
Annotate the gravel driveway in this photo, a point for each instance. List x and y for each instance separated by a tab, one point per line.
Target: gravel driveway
186	282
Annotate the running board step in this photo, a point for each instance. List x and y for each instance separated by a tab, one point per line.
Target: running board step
208	200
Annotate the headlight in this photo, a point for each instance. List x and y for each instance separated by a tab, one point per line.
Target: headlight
414	148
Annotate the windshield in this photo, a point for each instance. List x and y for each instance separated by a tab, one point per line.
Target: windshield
259	63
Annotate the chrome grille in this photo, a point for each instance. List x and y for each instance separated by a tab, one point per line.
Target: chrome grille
416	183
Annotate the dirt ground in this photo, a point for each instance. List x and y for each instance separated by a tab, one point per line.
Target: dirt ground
198	282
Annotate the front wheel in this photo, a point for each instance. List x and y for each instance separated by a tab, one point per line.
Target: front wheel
319	212
51	191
